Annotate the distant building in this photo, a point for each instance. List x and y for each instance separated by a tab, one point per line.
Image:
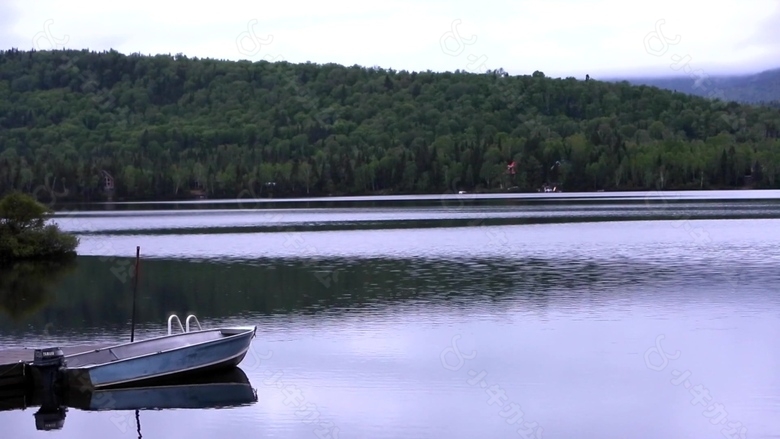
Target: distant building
108	181
108	185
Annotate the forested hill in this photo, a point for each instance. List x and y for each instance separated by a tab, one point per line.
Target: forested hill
162	126
760	88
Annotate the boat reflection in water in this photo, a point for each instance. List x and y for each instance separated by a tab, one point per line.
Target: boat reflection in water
227	389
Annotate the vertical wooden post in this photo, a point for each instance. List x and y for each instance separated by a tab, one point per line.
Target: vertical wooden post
135	290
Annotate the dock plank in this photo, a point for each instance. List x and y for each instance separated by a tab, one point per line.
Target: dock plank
12	356
14	367
12	375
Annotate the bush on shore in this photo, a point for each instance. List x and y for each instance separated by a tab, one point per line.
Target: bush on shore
24	234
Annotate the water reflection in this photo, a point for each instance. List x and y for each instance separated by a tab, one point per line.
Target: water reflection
229	389
92	301
26	287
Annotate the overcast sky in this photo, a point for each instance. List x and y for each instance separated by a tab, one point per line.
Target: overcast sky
559	37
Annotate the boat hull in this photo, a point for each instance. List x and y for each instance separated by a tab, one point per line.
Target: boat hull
164	365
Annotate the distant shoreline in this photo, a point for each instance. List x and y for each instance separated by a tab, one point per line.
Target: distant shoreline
710	194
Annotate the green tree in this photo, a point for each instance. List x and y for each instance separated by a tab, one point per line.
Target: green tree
24	233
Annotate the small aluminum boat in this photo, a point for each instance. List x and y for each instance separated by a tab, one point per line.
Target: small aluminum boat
160	358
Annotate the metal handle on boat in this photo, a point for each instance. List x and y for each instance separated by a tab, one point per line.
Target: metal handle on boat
196	322
170	321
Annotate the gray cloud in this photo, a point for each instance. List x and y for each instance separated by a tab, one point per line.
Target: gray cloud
8	17
767	37
583	42
769	32
770	35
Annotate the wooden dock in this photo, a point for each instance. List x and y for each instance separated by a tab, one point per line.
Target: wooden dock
14	363
8	356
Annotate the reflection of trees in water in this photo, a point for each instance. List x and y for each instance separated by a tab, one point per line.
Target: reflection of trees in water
25	287
94	297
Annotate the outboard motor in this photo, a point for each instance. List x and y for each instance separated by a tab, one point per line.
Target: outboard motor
48	418
48	377
47	368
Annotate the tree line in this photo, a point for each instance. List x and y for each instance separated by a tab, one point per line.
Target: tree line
81	125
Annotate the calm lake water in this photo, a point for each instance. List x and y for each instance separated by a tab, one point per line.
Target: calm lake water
453	317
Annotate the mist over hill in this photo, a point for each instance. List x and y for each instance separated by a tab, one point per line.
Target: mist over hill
759	88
